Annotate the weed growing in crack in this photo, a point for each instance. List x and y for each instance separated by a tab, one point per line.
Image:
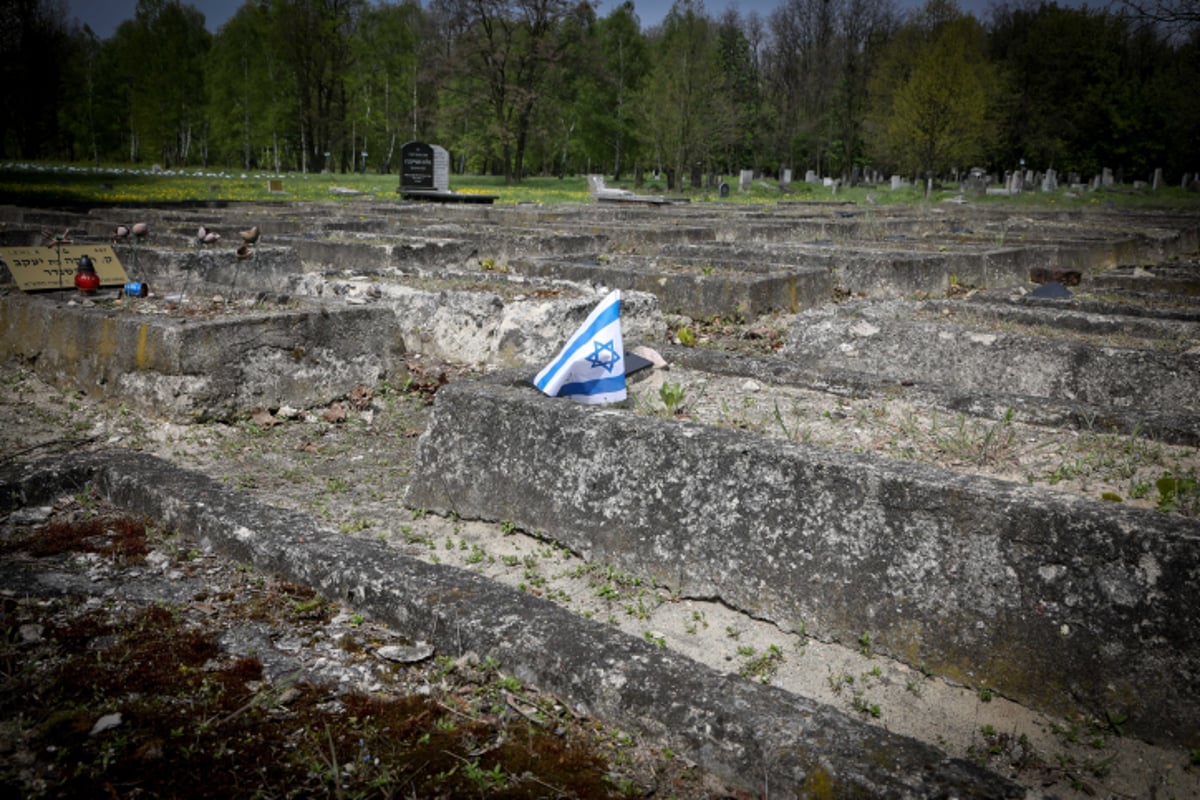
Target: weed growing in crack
763	666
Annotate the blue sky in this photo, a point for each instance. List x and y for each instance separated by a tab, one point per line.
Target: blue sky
103	16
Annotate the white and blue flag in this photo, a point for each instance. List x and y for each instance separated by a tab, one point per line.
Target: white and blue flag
591	367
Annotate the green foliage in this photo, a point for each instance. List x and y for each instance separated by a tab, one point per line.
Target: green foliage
672	395
938	112
683	108
1179	493
522	90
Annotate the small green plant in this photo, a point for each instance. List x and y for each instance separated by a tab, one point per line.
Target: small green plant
760	667
860	704
686	336
1178	493
508	683
864	644
693	626
985	694
672	395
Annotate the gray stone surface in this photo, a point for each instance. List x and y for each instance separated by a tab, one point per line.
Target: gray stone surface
1053	600
697	291
202	368
887	339
751	734
482	327
172	270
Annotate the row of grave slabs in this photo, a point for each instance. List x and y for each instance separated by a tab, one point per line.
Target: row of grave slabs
1062	602
1105	634
696	261
699	262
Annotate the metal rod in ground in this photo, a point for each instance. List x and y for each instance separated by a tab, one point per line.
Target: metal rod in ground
237	264
183	293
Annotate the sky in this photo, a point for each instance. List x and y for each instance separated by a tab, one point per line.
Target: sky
103	16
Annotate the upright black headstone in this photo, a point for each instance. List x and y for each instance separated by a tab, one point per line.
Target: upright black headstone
416	167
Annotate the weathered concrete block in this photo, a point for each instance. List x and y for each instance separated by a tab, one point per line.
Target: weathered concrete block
1055	601
327	255
695	290
480	326
171	270
888	339
755	736
195	369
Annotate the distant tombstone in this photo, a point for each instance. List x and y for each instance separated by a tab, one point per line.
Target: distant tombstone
1106	177
897	182
1050	181
976	183
745	178
1187	177
1074	178
811	177
724	189
424	168
1015	182
785	177
856	176
1157	180
1095	182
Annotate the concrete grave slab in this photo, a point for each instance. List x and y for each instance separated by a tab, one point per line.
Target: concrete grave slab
751	734
697	289
214	365
907	341
1045	598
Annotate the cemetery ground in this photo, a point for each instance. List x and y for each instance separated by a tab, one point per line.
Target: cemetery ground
443	726
270	684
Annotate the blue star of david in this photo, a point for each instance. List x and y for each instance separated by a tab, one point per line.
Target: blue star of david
597	358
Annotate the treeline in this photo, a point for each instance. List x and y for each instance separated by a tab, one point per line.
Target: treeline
520	87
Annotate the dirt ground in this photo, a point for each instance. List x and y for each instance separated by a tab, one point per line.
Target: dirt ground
348	465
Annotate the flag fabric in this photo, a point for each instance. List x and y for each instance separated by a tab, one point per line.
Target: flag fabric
591	367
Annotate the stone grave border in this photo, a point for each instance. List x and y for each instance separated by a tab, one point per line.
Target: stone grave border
751	734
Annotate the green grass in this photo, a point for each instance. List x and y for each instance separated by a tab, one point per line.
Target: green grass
70	184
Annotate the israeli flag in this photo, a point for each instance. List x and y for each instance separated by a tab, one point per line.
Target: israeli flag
591	368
